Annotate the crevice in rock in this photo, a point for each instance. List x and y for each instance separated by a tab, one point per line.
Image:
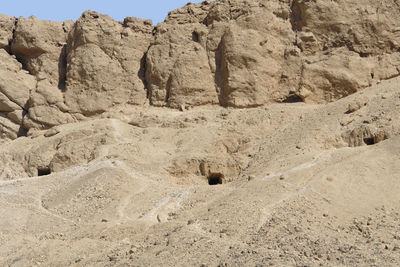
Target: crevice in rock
219	75
168	89
62	69
23	64
8	49
64	28
22	131
142	73
295	16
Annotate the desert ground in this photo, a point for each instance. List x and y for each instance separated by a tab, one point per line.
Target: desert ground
294	190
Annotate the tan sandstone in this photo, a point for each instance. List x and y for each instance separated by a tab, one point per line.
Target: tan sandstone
234	133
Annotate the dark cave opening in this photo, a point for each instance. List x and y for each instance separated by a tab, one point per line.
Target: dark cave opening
293	99
44	171
195	37
369	141
215	178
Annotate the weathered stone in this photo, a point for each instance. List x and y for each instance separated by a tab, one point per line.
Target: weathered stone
47	107
249	71
177	69
188	80
15	84
232	53
17	116
365	135
335	76
105	66
40	45
365	27
8	129
6	31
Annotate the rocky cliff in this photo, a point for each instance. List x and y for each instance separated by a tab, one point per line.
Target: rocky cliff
235	133
230	53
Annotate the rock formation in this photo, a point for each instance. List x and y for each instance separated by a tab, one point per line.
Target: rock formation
229	53
105	63
234	133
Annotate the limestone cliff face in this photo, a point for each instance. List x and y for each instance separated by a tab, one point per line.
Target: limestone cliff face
227	52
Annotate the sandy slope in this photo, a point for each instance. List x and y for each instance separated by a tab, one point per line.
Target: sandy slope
294	192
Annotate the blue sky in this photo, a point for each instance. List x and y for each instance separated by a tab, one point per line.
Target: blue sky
156	10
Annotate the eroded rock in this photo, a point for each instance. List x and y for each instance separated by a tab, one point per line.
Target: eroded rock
231	53
15	87
332	77
177	70
7	25
105	65
366	135
40	46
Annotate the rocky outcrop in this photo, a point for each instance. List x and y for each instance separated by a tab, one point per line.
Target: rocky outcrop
7	25
15	86
105	63
47	107
246	73
230	53
40	46
261	52
177	68
367	27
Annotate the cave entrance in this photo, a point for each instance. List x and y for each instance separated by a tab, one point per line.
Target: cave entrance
215	178
44	171
369	141
293	99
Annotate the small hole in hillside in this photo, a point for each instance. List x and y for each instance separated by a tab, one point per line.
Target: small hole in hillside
215	178
195	37
44	172
293	99
369	141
